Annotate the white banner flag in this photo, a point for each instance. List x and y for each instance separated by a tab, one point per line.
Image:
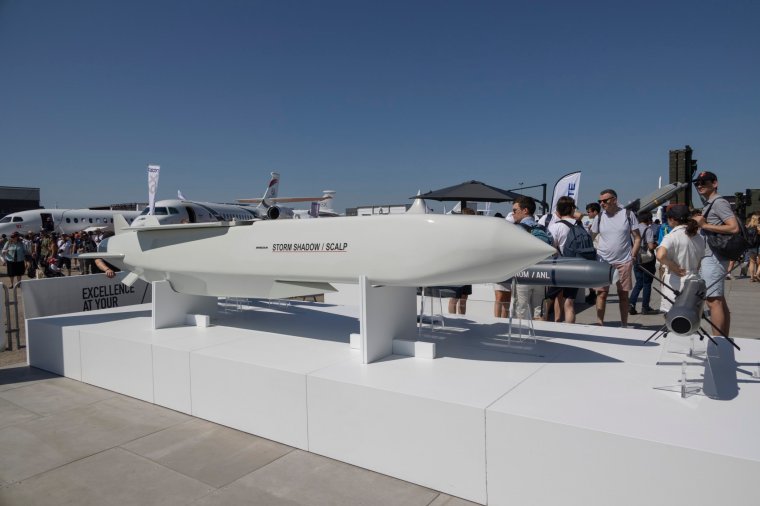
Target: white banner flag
153	171
180	196
567	186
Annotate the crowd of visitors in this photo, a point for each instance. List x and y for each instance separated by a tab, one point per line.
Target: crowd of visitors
686	243
639	247
47	254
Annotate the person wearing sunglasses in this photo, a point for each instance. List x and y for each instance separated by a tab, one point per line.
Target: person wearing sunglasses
716	218
618	244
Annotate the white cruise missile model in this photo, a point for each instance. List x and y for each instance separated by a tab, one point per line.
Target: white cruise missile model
289	258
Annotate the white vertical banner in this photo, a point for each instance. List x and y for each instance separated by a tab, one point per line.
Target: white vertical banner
568	185
153	171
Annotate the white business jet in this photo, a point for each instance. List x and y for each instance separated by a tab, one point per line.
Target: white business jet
176	211
64	221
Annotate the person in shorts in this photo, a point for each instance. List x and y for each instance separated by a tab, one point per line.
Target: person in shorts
717	217
618	244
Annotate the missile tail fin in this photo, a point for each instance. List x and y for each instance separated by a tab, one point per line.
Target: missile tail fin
119	224
130	279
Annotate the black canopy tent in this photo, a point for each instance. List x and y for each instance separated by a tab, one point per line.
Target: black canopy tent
472	191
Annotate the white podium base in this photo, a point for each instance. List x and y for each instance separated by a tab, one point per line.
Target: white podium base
573	419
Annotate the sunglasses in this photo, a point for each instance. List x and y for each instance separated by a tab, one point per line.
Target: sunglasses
701	183
604	201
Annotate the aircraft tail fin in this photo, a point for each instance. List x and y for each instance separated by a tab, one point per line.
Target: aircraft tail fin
271	191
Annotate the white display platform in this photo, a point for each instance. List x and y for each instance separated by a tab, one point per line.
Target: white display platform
574	418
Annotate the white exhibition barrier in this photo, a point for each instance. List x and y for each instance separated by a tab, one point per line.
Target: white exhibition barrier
575	417
72	294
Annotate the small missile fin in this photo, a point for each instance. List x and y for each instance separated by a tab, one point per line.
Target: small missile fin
130	279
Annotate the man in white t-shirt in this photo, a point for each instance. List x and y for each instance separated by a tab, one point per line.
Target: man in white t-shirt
617	232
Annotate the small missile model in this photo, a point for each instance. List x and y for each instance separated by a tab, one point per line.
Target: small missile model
275	259
685	316
656	198
686	313
567	272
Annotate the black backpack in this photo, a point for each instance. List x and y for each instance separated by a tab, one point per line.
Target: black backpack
729	246
578	243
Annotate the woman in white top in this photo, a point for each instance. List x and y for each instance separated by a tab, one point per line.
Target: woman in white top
681	251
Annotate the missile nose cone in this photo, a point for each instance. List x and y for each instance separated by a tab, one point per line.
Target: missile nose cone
512	248
519	242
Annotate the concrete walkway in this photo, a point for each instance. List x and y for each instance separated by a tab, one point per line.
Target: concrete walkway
65	442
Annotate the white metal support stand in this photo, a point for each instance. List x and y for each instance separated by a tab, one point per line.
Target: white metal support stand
531	331
386	313
170	309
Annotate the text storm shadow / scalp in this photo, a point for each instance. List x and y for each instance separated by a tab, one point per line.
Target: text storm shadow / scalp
309	247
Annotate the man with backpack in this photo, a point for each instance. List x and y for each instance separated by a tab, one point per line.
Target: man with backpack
619	242
717	218
572	240
529	297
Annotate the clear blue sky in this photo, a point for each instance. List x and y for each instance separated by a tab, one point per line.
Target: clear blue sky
372	99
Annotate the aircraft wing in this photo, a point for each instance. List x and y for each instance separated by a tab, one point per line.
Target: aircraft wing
283	200
185	226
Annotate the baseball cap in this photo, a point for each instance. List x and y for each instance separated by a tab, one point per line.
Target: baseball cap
705	175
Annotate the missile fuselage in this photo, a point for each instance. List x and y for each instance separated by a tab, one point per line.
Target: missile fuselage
251	258
567	272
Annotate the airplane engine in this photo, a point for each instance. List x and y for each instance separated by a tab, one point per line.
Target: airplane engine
274	213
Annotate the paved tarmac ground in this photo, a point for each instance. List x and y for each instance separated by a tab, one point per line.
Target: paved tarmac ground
66	442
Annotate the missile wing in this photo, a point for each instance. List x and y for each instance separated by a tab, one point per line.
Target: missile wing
299	257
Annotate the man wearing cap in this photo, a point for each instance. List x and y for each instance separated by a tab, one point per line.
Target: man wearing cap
716	218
